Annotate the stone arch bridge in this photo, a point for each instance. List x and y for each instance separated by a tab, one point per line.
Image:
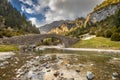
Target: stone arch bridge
37	38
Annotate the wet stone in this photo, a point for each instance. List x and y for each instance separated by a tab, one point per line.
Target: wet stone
71	79
62	74
48	70
64	79
47	66
56	74
78	71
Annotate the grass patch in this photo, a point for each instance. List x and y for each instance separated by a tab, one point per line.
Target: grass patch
4	48
98	42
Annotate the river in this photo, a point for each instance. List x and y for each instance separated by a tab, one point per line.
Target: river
61	64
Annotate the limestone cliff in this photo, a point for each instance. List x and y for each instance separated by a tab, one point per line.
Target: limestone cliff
103	13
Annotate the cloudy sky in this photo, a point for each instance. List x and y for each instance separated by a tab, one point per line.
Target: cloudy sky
41	12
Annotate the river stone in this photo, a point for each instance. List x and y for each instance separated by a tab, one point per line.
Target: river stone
90	76
77	71
4	63
56	74
114	78
81	65
71	79
115	75
68	65
64	79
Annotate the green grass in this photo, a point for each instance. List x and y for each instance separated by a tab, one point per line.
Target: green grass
4	48
97	42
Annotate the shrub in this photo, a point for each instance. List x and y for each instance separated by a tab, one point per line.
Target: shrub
99	33
118	30
107	33
92	31
1	34
115	37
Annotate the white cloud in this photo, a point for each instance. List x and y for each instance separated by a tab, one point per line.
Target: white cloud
60	9
36	22
28	2
9	0
27	10
69	9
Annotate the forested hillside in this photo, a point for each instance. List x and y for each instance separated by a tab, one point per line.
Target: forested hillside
12	22
109	28
104	22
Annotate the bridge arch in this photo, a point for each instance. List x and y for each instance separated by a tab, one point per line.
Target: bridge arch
63	40
35	38
51	41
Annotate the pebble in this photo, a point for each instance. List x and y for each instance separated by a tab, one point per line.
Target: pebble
68	65
16	62
81	65
3	64
77	71
90	75
64	79
71	79
115	75
56	74
17	59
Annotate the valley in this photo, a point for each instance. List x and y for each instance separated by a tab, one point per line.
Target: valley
70	46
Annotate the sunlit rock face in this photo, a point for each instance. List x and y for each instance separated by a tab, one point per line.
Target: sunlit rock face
64	28
68	26
48	27
103	13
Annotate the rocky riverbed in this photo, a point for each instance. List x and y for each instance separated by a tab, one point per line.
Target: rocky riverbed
61	66
51	67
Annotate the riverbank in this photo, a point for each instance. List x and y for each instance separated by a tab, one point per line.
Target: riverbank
7	48
92	49
97	43
78	49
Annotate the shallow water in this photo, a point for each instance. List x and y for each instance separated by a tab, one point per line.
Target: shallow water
55	64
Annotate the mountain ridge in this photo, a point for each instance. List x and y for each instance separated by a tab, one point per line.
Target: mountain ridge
99	22
46	28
